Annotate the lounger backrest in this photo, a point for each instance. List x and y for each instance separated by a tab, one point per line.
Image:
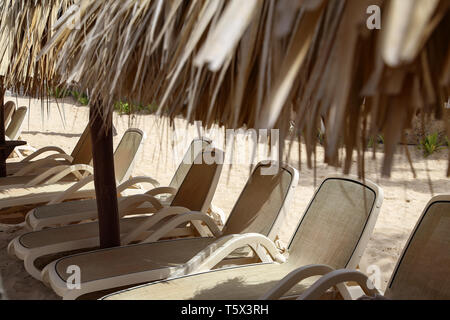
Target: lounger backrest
126	152
423	270
15	126
82	152
262	200
198	188
10	107
195	148
337	224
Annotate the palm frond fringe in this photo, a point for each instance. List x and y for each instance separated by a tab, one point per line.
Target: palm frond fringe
258	63
25	28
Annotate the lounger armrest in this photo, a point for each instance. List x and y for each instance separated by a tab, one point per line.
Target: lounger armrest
41	163
162	190
46	174
74	188
337	278
166	194
74	169
126	206
150	222
132	182
224	246
184	218
61	156
59	172
293	278
41	151
129	203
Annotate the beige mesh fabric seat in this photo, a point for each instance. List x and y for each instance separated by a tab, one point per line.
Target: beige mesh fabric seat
261	209
14	130
63	213
81	154
18	201
196	146
334	231
422	271
10	108
202	178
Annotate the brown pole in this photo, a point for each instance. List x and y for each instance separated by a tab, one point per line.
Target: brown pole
104	179
2	129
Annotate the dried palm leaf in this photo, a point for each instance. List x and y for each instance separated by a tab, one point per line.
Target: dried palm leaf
25	27
267	63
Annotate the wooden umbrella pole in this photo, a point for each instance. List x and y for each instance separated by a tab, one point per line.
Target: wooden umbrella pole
104	179
2	129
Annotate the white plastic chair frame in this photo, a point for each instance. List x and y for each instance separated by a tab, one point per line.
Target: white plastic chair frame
206	259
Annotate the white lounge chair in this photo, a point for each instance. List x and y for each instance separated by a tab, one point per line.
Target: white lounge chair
63	213
75	172
260	209
14	130
195	193
10	108
422	271
334	230
41	160
15	202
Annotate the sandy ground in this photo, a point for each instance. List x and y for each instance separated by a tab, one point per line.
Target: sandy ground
404	197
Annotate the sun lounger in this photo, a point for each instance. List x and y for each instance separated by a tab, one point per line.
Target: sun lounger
14	130
10	108
195	193
422	271
36	162
21	200
58	214
261	209
333	231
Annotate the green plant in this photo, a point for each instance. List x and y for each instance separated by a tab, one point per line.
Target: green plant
137	108
431	144
82	98
128	108
122	107
58	92
152	108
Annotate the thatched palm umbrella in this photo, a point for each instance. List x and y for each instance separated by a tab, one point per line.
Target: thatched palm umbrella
25	27
262	64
